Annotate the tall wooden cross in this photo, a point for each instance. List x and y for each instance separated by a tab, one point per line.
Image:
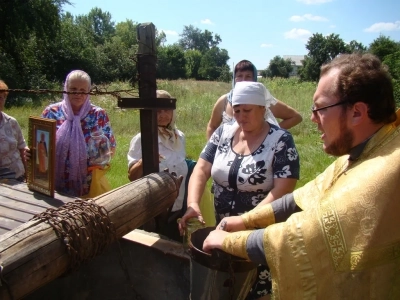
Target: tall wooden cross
147	102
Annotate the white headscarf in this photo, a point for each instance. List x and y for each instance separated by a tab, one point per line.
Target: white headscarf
248	92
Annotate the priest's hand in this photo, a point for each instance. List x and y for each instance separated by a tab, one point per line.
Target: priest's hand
231	224
214	240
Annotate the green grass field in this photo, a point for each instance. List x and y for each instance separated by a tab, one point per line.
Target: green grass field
195	100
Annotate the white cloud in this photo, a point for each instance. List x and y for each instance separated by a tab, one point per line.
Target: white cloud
207	21
307	17
170	32
332	26
379	27
298	34
311	2
266	45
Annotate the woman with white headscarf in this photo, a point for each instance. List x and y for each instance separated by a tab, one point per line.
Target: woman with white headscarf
251	162
76	119
172	154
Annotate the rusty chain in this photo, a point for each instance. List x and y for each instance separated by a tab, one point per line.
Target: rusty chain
95	90
83	226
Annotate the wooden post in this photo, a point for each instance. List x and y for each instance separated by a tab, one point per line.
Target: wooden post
146	64
147	102
32	254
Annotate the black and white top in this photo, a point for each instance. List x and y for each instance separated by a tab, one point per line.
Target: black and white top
243	181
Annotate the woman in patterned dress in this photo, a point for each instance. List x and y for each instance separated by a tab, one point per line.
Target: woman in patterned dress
12	143
76	119
252	162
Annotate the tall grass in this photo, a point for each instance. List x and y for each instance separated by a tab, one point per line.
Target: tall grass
195	100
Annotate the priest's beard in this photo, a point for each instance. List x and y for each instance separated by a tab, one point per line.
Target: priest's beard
343	144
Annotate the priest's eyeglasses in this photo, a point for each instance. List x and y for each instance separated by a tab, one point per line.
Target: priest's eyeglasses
315	110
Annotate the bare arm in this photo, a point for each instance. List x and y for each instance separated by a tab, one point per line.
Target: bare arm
282	186
23	158
197	183
136	170
290	117
216	116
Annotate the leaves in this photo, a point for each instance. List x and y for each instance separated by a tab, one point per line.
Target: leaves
279	67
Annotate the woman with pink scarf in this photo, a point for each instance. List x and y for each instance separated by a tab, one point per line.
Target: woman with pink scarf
76	118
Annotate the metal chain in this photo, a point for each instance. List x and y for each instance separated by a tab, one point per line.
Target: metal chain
94	91
84	227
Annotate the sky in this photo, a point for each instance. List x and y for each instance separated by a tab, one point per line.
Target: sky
258	30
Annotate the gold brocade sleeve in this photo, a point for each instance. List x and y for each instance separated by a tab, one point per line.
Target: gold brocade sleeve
260	217
235	243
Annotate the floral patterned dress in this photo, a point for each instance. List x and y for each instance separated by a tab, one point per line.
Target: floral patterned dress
242	181
11	141
96	119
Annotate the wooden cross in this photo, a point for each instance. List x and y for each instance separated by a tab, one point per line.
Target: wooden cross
147	103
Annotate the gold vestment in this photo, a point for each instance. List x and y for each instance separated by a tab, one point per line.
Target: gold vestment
345	244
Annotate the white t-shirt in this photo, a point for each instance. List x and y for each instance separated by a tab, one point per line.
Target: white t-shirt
174	160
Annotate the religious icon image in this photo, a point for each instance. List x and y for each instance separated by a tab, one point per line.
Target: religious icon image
42	154
42	163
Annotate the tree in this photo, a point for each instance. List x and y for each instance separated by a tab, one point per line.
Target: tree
115	61
355	46
213	63
321	50
194	39
383	46
126	31
393	62
171	62
193	60
98	24
263	73
26	22
279	67
161	38
72	49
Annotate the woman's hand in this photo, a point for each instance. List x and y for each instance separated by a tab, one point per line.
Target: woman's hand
27	154
193	211
231	224
214	240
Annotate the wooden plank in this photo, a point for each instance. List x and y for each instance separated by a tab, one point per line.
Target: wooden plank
7	224
154	241
18	204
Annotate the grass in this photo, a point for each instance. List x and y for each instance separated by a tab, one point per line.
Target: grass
195	100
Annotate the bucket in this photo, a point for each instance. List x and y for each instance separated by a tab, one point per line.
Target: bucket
218	275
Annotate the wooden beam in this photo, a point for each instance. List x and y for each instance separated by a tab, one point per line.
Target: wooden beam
32	254
146	66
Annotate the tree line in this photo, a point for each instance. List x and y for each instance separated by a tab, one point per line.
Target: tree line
40	44
322	49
